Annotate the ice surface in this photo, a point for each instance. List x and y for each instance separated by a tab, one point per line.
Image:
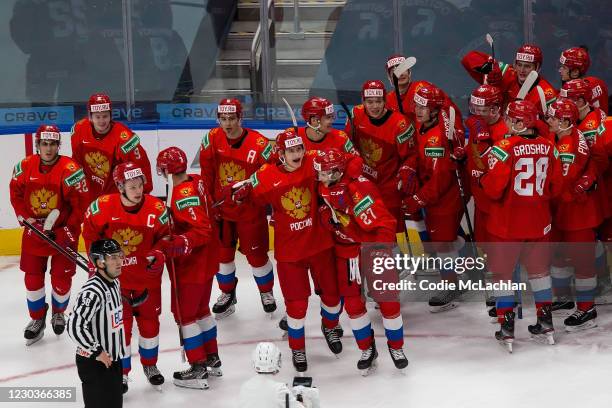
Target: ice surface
454	360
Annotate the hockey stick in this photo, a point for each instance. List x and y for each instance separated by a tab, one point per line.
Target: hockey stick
404	66
78	259
542	98
450	134
489	40
171	266
526	87
349	117
292	114
400	108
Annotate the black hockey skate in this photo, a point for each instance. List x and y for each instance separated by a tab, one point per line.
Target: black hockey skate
367	361
284	326
443	301
35	330
213	364
339	330
156	379
505	334
562	307
332	339
225	305
196	376
58	323
299	360
268	302
543	331
581	320
399	358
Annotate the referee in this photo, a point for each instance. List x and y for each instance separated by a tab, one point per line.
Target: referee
96	326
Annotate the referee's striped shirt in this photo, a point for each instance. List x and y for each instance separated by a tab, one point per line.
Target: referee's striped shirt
96	323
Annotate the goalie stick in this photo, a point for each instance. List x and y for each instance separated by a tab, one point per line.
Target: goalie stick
489	40
399	70
77	258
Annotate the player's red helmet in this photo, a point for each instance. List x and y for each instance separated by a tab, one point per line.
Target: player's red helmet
48	132
99	102
485	96
317	107
373	89
576	58
171	161
525	111
530	53
288	139
127	171
429	96
330	159
564	108
393	61
229	106
577	88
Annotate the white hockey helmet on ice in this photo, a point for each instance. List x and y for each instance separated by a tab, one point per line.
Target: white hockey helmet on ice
266	358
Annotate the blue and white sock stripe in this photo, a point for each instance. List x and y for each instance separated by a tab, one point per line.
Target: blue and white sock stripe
504	301
585	289
263	274
148	348
192	338
208	328
36	299
394	328
60	301
361	326
330	312
296	327
126	362
542	288
227	272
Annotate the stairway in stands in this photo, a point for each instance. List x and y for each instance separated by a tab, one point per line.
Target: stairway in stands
297	58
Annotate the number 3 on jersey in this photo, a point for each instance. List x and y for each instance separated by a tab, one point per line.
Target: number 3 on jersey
523	182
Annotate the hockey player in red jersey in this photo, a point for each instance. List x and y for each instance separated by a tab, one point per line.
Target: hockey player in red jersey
99	144
429	182
591	124
354	212
481	66
230	154
318	134
137	221
573	64
193	247
486	126
385	140
577	213
42	183
524	176
407	88
301	243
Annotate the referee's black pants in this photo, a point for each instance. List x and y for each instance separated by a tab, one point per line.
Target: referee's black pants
102	387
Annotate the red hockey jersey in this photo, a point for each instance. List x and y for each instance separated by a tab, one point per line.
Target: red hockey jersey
37	189
223	162
436	171
509	84
573	212
138	231
600	92
384	145
192	216
298	234
362	216
99	154
523	177
479	154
